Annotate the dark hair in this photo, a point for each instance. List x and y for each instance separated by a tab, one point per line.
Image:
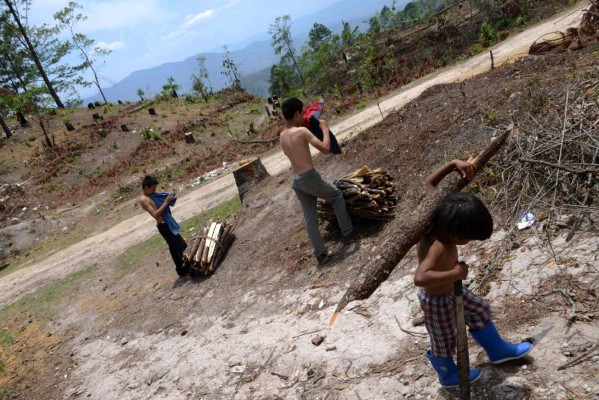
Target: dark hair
291	106
149	181
463	216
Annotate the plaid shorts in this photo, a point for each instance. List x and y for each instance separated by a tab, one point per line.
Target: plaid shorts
439	318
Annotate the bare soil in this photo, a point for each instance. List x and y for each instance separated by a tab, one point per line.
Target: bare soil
134	331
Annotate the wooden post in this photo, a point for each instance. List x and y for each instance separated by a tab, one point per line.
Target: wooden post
249	172
462	342
492	60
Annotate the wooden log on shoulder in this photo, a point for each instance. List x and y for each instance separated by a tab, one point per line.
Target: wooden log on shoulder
409	233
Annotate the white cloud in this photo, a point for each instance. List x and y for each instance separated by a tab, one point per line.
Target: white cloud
194	20
113	15
190	21
110	46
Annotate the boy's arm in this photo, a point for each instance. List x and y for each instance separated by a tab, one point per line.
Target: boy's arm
149	206
427	276
463	167
323	146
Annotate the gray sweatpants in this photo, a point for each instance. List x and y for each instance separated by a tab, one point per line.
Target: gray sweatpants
309	186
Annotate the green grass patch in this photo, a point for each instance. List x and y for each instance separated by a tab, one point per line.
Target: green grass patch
45	302
156	243
5	338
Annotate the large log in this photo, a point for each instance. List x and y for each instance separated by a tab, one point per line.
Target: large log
410	231
249	172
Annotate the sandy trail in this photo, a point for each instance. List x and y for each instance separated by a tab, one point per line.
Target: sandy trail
117	239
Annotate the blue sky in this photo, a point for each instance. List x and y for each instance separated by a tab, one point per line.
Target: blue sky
147	33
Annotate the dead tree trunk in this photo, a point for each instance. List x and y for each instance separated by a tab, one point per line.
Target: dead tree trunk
5	128
410	232
189	137
249	172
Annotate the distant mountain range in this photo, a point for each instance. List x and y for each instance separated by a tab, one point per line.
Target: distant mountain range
254	56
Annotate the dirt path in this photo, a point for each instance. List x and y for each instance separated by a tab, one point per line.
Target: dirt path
32	275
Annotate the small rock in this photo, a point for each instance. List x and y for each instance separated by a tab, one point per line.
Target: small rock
238	369
184	332
124	341
331	348
317	340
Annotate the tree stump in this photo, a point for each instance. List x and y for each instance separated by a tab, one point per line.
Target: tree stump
189	137
249	172
69	126
97	116
152	111
124	128
91	106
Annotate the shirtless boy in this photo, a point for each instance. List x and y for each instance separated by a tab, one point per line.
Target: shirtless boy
459	219
158	205
306	182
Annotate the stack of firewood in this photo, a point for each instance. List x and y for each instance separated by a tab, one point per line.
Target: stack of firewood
207	247
369	194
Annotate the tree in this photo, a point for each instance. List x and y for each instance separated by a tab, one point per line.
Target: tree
348	39
170	88
280	31
32	51
199	81
231	70
141	94
204	71
67	19
318	34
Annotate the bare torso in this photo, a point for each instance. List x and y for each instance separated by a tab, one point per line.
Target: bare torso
447	261
148	204
296	148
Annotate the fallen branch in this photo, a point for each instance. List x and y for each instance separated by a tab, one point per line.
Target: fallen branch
410	231
557	166
252	141
579	359
409	332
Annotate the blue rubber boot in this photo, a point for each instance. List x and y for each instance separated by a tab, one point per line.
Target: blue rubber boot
448	371
498	349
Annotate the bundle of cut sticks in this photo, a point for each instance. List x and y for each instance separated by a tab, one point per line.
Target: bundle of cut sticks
208	246
369	194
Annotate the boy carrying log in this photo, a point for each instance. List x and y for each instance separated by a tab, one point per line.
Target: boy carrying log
307	184
459	219
158	205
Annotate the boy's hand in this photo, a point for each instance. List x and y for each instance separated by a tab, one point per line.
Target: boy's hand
462	269
169	198
465	169
323	124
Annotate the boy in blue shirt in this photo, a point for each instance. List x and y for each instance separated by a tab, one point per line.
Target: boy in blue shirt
158	205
